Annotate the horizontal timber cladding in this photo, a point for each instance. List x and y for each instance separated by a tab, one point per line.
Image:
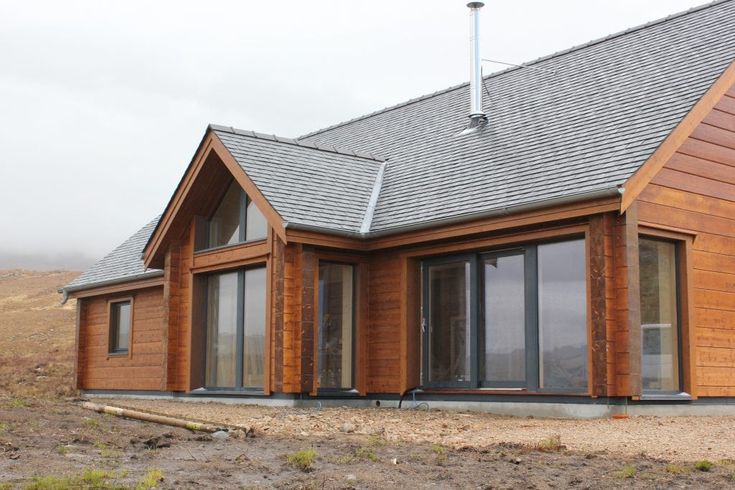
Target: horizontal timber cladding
143	367
695	193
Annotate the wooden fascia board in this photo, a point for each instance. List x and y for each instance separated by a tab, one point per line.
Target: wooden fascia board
173	206
210	143
242	178
459	230
643	176
119	288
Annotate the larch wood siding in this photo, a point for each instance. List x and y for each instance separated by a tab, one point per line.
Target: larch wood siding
143	369
384	324
695	191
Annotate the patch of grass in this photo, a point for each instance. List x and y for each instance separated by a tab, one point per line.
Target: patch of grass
6	486
552	443
62	450
675	469
377	440
17	403
345	459
626	472
703	465
89	479
3	426
367	453
150	480
96	478
303	460
92	423
438	449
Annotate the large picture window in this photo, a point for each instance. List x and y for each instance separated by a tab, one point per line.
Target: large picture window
237	219
235	350
514	319
660	363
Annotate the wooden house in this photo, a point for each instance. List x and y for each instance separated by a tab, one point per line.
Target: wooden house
573	248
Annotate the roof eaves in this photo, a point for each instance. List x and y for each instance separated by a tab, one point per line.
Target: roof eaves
110	282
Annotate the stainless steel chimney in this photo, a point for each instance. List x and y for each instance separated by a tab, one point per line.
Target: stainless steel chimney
476	113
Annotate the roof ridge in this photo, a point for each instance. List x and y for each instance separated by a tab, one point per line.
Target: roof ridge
556	54
295	142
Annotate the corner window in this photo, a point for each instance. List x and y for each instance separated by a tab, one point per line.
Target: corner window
237	219
336	326
514	319
120	322
660	331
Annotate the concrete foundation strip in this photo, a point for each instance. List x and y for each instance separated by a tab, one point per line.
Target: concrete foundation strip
149	417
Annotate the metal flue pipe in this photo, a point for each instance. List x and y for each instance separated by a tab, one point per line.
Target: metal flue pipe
476	111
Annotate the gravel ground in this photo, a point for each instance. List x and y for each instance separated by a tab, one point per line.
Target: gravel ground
667	438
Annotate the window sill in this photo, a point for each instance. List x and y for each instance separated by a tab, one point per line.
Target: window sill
118	354
683	396
223	248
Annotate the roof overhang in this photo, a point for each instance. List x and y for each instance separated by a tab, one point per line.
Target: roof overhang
171	221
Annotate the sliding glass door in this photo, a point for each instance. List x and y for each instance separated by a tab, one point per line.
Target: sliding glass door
235	350
504	320
512	319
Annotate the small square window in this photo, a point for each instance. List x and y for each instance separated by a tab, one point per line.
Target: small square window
120	320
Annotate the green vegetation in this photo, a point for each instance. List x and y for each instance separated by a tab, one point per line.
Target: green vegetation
376	440
626	472
675	469
438	449
367	453
62	450
303	460
703	465
150	480
92	423
17	403
89	479
552	443
6	486
3	426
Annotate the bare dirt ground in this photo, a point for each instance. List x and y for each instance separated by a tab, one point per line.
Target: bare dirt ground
48	442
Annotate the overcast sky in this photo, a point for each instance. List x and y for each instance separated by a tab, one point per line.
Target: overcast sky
103	103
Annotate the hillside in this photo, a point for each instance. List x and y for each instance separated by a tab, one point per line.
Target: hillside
36	334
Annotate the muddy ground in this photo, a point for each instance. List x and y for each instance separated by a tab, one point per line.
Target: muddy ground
58	443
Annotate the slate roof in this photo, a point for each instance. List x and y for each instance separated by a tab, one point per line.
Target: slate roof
125	263
585	128
588	126
319	186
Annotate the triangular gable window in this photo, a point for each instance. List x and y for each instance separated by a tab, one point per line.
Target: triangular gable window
237	219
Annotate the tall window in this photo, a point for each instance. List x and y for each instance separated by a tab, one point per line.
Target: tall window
235	351
120	322
236	219
509	319
336	326
659	316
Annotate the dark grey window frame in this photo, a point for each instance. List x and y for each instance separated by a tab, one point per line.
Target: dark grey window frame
679	344
353	366
239	336
242	222
114	327
530	253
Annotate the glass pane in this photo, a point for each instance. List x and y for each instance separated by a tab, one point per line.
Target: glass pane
562	297
659	324
505	320
224	225
256	227
449	323
221	330
121	326
253	362
335	326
